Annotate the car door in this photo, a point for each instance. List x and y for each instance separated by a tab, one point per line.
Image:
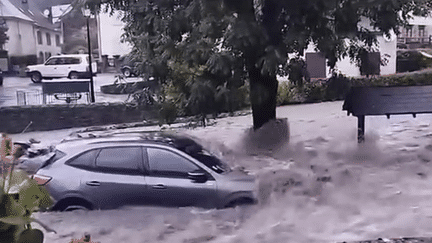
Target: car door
62	67
49	69
169	183
117	178
75	64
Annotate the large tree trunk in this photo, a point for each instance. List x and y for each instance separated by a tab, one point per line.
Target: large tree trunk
263	92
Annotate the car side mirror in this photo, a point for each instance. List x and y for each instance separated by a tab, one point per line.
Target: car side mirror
198	176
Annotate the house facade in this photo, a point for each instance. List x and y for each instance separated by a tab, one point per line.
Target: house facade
418	34
33	37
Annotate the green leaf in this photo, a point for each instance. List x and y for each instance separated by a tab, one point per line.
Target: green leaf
17	180
31	236
9	207
16	220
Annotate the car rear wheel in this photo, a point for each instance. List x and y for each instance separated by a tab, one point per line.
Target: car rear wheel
127	72
36	77
73	204
73	75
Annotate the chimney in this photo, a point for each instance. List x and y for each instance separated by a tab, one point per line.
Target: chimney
24	5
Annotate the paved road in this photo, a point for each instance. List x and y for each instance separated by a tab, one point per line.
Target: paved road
14	85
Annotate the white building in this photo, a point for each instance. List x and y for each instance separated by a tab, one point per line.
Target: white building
32	35
417	35
383	60
110	32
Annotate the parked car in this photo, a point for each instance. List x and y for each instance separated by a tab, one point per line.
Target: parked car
412	60
141	169
127	66
1	77
72	66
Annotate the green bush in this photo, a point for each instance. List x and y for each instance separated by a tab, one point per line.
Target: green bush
405	79
20	196
336	87
314	92
288	93
23	61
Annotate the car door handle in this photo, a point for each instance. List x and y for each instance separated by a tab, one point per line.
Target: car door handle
159	186
93	183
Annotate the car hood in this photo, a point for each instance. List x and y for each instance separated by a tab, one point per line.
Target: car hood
238	175
35	66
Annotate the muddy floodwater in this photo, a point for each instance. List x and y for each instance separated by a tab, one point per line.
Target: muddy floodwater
320	187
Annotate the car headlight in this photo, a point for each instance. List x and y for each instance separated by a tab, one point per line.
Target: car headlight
27	69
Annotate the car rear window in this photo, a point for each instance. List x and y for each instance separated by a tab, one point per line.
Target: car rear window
57	155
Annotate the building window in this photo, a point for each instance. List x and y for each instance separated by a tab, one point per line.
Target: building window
39	37
48	37
47	55
421	30
57	38
409	31
370	64
41	57
316	65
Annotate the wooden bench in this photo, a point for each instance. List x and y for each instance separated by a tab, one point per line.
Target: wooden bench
375	101
71	89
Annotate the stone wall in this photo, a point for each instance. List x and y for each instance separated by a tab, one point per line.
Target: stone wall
51	117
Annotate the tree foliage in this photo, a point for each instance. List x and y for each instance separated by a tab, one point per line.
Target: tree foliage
204	47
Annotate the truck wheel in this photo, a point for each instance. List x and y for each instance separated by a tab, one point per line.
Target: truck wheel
36	77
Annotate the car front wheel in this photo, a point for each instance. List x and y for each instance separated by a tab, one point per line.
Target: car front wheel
36	77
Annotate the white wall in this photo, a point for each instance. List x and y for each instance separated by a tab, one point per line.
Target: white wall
388	46
351	70
111	29
21	41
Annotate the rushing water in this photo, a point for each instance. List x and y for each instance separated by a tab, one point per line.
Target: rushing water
320	187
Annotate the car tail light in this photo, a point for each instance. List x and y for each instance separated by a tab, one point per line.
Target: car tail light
41	179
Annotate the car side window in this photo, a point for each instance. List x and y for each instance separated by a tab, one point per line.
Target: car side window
74	60
60	61
51	61
167	163
126	159
84	160
67	61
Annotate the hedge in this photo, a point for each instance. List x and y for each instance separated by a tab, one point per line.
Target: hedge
336	87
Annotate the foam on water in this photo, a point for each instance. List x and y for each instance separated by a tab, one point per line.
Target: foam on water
320	187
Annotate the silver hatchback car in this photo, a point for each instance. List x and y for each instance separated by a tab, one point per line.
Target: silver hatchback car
141	169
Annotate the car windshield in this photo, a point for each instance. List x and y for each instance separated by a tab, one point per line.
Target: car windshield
208	159
211	161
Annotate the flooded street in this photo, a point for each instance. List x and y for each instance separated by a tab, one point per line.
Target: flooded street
321	187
